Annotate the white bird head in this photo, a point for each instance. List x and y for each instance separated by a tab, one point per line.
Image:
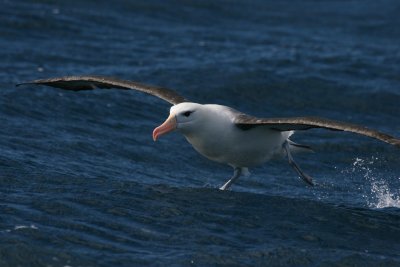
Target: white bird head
186	117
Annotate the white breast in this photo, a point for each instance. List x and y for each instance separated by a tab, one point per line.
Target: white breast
220	140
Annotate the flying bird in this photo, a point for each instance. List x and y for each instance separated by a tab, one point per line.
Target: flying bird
221	133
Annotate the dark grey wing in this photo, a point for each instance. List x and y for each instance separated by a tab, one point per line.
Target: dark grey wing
78	83
244	121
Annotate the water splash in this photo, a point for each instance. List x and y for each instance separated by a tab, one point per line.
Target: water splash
384	196
378	193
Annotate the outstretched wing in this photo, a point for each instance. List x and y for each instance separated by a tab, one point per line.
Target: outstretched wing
78	83
244	121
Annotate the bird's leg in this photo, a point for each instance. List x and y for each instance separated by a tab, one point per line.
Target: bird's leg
306	178
236	174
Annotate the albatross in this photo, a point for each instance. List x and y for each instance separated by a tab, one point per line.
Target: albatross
221	133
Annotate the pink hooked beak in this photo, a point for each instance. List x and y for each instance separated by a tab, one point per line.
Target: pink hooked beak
168	126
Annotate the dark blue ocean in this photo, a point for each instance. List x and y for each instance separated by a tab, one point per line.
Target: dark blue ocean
83	184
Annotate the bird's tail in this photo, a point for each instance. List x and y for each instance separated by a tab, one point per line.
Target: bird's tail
296	148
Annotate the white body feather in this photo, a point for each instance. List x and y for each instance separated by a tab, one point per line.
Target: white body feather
215	136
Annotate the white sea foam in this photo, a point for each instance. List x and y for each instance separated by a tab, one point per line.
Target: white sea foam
377	192
385	197
19	227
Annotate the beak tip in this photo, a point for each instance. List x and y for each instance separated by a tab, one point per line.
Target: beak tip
155	136
168	126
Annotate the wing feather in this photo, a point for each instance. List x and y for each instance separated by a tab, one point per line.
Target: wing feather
78	83
305	123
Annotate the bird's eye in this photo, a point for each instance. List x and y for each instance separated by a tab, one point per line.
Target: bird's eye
187	113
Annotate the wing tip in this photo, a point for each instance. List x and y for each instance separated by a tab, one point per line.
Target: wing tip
391	140
33	82
24	83
59	79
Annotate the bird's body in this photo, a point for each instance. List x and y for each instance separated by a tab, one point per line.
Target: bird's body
217	137
221	133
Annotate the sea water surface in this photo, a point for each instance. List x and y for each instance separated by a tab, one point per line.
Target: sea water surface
83	184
